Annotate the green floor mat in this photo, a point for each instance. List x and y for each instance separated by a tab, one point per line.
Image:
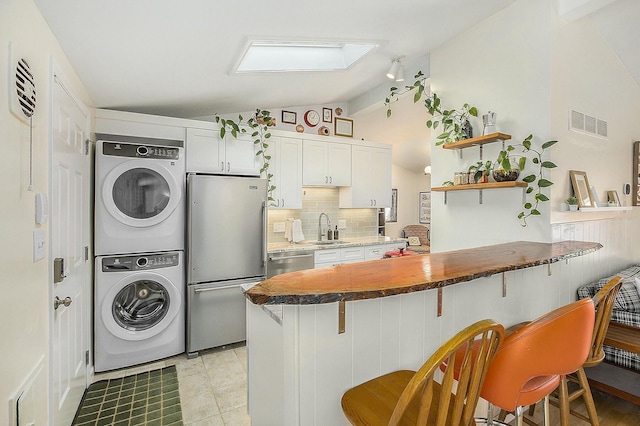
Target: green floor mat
150	398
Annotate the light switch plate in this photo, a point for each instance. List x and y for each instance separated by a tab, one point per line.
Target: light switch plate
278	227
39	244
342	223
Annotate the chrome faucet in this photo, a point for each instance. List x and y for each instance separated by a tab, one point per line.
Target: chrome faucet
320	233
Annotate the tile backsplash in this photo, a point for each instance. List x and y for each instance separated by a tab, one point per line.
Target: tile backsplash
360	222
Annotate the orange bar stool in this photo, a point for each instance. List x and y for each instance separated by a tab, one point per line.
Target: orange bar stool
531	361
603	302
415	398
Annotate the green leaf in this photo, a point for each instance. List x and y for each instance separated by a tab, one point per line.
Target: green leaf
393	89
473	111
267	135
522	162
529	190
259	152
529	179
548	144
444	135
527	144
506	164
535	160
222	132
535	212
527	206
416	97
520	215
543	183
541	197
548	164
234	133
254	134
429	124
389	113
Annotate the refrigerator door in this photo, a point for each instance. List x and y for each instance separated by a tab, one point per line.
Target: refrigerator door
216	315
227	227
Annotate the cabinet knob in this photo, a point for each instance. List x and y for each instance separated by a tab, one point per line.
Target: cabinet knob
283	202
222	166
330	179
228	166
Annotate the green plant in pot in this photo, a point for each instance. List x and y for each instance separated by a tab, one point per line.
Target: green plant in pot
573	203
455	123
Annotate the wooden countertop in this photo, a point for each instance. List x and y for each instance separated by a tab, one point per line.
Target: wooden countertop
388	277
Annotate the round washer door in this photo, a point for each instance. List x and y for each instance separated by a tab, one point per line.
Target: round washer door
140	306
141	194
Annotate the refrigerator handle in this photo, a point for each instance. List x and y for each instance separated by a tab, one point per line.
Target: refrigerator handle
264	235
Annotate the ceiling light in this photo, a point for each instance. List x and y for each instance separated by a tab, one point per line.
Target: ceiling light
287	56
394	69
400	74
427	170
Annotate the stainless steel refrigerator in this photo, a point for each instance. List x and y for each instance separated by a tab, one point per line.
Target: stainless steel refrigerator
226	249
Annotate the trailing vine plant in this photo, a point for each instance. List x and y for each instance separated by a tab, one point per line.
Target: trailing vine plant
259	123
453	130
453	121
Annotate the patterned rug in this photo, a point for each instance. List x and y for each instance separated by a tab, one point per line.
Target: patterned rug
150	398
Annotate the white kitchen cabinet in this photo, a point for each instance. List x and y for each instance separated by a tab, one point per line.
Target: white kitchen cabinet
371	178
338	256
206	153
375	252
326	163
286	167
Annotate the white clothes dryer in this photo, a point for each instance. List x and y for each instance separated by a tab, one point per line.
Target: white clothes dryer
139	309
139	195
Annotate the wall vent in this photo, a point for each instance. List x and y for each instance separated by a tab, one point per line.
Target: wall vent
22	88
583	123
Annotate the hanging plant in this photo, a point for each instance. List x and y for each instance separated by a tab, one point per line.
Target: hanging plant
454	123
259	123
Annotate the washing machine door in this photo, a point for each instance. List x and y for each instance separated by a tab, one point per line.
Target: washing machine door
141	193
140	306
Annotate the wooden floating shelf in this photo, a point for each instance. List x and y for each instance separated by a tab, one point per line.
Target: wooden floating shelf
480	140
490	185
603	209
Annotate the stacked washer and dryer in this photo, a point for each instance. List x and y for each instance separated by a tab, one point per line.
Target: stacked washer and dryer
139	310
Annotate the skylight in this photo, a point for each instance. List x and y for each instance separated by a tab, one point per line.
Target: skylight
270	56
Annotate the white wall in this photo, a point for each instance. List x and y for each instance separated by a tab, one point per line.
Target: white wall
24	317
502	65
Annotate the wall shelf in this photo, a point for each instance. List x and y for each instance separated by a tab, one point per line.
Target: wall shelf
480	186
478	141
603	209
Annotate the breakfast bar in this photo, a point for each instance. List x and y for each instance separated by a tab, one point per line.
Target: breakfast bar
313	334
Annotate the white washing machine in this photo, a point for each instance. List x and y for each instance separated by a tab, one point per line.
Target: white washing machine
139	312
139	195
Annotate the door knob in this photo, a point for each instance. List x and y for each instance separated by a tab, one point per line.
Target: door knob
57	302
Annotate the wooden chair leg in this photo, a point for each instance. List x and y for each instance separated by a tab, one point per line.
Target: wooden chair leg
588	397
563	396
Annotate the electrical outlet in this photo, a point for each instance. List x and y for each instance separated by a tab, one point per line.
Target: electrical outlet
342	223
278	227
39	244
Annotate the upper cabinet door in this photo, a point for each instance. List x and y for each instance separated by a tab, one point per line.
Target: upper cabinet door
326	163
286	167
204	151
240	155
371	181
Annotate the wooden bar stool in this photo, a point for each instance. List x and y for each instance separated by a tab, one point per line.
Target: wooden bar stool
531	361
415	398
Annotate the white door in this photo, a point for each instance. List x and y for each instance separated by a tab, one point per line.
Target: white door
70	183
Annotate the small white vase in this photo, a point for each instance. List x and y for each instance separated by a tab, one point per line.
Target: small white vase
573	207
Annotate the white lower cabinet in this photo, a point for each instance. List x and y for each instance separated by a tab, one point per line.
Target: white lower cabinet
333	257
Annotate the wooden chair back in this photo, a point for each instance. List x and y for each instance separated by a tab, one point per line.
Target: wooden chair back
603	301
452	408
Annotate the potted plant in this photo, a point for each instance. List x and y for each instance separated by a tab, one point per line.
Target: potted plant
573	203
455	123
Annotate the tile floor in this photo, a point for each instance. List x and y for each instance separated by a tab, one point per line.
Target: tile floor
213	386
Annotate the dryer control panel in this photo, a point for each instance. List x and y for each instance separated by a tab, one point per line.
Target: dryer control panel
140	262
140	151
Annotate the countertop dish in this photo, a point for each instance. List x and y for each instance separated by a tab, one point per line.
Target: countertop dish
388	277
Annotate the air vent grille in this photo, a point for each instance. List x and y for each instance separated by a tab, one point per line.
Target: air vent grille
25	88
583	123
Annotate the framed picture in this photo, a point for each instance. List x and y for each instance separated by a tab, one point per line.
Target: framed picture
343	127
289	117
391	214
327	115
612	197
581	188
424	207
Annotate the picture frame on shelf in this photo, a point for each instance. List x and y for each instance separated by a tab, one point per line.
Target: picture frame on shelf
327	115
613	199
424	207
289	117
581	188
391	213
343	127
594	197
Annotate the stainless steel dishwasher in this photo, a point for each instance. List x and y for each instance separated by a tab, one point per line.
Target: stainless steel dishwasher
290	261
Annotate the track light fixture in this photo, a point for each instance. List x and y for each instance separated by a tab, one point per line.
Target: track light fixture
396	71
